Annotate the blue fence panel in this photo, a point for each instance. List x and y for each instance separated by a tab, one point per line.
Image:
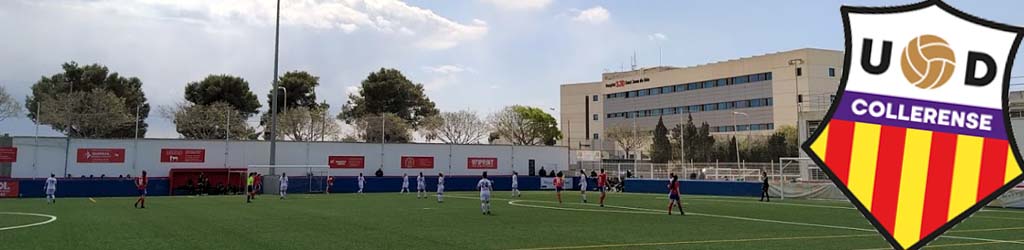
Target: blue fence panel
92	187
700	187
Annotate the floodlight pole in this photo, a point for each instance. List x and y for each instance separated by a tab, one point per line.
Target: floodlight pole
736	131
273	101
796	79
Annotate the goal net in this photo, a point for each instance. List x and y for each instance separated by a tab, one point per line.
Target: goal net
301	178
800	177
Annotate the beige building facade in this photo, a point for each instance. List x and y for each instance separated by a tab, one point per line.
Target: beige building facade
745	96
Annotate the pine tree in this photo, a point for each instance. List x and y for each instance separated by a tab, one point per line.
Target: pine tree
661	151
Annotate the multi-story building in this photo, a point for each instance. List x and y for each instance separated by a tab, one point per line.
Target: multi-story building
746	96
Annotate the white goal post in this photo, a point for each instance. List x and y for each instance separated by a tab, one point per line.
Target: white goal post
307	178
785	172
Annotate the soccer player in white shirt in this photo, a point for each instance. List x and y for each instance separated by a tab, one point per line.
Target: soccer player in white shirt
361	181
405	183
440	187
421	186
283	180
515	184
51	188
583	185
485	194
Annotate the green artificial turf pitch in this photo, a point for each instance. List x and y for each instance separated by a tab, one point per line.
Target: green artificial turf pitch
401	221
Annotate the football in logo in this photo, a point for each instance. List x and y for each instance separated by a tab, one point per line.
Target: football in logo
928	61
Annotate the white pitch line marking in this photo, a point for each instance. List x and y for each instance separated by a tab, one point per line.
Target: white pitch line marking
51	219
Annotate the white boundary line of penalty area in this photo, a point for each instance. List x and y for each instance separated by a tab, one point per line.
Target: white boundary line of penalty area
701	242
51	219
652	211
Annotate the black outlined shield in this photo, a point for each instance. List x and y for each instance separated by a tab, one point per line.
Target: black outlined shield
919	137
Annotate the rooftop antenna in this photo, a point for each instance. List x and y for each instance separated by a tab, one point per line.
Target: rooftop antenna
633	65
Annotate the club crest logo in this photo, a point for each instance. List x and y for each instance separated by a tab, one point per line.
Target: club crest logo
920	148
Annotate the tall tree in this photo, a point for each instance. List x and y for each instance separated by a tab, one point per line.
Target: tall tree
704	143
308	124
732	149
661	147
87	79
299	95
626	138
462	127
522	125
388	91
396	130
211	121
300	87
694	144
782	143
231	90
9	107
90	114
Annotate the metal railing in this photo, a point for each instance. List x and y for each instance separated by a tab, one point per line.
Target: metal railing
731	171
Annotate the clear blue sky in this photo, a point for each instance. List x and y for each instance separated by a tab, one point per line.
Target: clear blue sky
475	54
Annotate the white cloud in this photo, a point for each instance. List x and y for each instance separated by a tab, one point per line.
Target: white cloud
519	4
594	15
428	29
443	76
657	37
445	69
351	90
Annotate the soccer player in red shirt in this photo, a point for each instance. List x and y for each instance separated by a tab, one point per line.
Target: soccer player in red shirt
602	184
330	183
140	184
257	185
558	187
673	195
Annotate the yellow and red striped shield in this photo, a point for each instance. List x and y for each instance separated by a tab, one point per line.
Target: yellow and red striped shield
919	136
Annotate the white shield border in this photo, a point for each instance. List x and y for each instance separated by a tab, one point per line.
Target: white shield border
806	147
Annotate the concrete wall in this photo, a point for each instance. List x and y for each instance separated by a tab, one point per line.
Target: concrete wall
43	156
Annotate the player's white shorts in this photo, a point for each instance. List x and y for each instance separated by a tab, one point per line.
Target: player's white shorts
583	187
405	185
440	189
360	185
50	191
485	196
421	188
284	187
515	185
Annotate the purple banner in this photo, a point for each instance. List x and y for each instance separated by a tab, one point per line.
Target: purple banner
918	114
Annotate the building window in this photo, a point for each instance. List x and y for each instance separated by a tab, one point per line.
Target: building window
666	90
642	92
594	98
741	79
799	71
681	88
595	117
831	72
655	91
596	137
